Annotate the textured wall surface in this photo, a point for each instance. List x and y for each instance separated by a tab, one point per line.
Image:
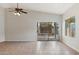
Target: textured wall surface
2	29
24	28
73	42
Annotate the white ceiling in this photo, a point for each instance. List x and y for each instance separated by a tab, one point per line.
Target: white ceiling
56	8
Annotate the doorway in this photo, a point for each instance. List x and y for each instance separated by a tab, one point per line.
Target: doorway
47	31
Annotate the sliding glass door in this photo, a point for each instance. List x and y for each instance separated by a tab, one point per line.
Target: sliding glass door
46	31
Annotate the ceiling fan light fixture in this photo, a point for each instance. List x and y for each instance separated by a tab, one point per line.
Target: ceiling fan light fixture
17	13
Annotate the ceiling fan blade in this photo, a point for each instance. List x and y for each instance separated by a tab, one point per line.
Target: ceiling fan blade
20	9
23	12
11	10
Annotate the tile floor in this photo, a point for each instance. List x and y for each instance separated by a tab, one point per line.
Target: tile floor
36	48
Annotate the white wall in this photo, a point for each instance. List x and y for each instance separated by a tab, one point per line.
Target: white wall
2	31
72	42
24	27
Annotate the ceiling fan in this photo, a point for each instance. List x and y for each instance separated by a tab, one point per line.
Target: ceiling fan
17	11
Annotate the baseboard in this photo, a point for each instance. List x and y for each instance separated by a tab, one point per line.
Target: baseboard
70	46
2	41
